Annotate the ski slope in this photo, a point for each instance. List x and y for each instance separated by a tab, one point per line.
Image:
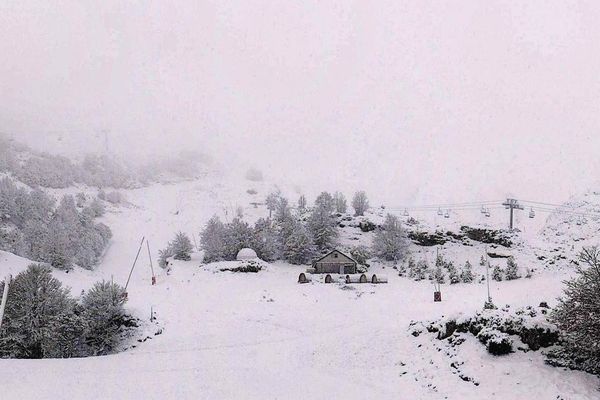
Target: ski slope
263	336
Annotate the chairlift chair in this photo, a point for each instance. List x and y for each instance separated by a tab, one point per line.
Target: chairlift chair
447	214
483	210
440	212
487	213
531	213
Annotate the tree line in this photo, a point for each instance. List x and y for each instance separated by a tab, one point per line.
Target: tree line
294	235
34	226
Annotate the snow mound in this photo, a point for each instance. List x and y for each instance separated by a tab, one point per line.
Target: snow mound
246	254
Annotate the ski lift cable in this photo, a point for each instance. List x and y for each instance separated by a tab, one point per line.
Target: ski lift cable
449	205
553	211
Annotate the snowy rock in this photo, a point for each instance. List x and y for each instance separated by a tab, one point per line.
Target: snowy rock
246	254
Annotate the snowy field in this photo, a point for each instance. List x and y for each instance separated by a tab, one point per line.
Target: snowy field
264	336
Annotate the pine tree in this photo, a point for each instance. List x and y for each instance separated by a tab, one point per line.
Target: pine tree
238	235
104	315
182	247
578	315
360	203
421	270
497	273
512	269
212	241
437	275
272	201
321	223
299	247
453	275
482	261
466	275
390	242
266	243
36	302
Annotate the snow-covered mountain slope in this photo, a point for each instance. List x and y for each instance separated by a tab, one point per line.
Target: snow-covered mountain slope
223	335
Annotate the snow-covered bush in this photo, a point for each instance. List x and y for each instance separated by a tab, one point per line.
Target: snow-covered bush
163	257
496	329
420	270
496	342
105	316
96	208
114	197
360	203
578	316
360	254
497	273
390	242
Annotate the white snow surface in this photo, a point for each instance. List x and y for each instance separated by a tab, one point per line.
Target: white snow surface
264	336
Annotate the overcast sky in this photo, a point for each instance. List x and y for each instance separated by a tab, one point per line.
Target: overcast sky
420	101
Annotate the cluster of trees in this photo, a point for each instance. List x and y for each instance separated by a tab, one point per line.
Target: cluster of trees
283	236
43	320
52	171
510	273
443	271
299	236
32	225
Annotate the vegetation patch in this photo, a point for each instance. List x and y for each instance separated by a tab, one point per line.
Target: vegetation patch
245	267
499	330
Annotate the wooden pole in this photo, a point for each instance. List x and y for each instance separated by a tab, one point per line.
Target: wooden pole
134	262
4	298
151	266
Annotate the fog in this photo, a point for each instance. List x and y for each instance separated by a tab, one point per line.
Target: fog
414	101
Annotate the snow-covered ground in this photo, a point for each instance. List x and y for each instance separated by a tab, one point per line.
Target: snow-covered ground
245	336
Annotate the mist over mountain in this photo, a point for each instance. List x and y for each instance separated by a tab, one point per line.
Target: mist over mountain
418	102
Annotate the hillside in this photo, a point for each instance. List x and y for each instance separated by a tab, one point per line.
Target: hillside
226	335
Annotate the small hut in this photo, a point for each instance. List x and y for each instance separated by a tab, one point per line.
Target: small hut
335	262
304	278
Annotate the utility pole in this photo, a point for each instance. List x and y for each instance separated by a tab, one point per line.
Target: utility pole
487	274
512	204
4	298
